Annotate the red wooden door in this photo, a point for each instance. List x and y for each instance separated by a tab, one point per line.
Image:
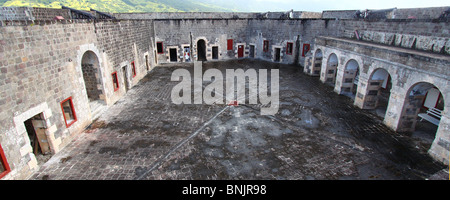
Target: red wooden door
240	51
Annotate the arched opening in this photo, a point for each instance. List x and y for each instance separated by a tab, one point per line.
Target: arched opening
90	66
421	113
350	79
330	72
317	63
378	91
201	50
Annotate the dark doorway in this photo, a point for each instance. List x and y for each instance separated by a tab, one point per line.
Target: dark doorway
147	64
125	78
201	50
35	127
240	51
277	54
173	55
252	51
159	47
215	52
297	51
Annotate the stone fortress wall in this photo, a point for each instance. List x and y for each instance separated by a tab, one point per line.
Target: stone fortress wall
44	53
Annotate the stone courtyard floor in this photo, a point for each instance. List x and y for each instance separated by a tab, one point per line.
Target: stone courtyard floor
316	134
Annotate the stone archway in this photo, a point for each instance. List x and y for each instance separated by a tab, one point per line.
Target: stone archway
317	63
331	69
91	74
420	98
423	116
350	79
378	91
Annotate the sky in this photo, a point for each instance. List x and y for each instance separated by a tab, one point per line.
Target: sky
321	5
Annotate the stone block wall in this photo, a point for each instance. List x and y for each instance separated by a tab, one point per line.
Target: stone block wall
41	61
278	33
185	15
123	42
30	13
50	13
41	65
339	14
411	27
16	13
38	66
420	42
181	32
187	32
418	13
393	13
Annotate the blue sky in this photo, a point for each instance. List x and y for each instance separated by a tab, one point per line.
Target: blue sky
320	5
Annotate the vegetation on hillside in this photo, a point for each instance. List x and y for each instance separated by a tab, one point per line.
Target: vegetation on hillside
123	6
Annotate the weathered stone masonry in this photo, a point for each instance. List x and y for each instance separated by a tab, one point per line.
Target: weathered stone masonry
407	69
42	65
44	62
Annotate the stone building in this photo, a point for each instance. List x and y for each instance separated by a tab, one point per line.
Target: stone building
61	67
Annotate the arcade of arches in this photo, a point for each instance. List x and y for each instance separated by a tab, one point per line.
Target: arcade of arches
410	100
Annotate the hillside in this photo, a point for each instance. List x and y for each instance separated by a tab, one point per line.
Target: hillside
126	6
